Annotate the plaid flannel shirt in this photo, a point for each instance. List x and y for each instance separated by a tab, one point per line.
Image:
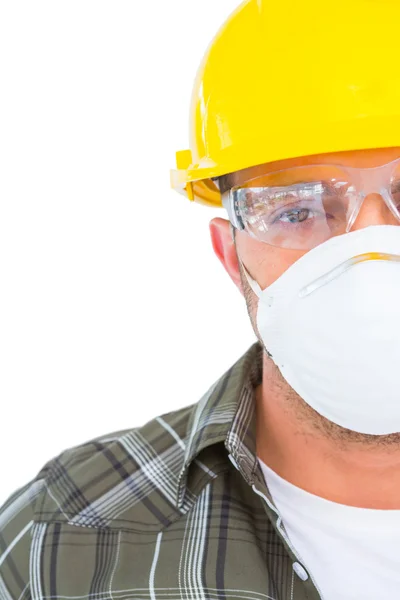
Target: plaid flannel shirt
175	509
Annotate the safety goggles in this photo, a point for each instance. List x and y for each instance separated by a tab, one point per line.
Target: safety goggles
302	207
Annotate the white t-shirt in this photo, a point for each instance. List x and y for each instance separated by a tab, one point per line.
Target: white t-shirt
351	553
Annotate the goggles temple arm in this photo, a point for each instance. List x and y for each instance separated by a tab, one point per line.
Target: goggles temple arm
228	202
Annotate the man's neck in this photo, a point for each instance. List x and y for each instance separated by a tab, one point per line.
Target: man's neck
341	471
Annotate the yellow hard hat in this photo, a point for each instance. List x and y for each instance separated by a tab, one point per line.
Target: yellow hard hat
289	78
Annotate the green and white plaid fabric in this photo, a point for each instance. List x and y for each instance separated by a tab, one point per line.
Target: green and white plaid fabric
175	509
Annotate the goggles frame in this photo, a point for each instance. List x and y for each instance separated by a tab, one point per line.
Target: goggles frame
366	181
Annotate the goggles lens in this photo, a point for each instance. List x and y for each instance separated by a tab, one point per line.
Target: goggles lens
302	207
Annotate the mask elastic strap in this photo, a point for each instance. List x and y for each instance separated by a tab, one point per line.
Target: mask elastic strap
256	289
252	282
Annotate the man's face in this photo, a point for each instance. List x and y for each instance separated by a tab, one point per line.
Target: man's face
265	262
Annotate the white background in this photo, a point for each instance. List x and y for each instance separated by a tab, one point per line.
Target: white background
113	307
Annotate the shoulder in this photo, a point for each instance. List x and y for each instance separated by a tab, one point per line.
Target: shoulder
122	480
112	480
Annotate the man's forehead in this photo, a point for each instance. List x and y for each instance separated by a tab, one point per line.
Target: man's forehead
356	158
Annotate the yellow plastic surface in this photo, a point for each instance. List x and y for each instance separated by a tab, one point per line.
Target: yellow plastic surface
288	78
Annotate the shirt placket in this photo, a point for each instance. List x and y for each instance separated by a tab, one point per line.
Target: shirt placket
311	589
240	443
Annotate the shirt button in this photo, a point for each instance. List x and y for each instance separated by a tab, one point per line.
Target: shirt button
300	571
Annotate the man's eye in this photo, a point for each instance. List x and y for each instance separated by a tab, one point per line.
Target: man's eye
295	216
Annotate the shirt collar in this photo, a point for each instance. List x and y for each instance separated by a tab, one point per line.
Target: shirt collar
226	413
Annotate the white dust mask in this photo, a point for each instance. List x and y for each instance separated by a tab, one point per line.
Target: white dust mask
332	325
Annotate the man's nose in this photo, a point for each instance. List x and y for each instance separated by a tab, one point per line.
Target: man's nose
374	211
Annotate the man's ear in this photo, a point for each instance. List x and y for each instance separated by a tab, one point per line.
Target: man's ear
224	248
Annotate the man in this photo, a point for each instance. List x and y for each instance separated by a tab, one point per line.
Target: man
283	481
